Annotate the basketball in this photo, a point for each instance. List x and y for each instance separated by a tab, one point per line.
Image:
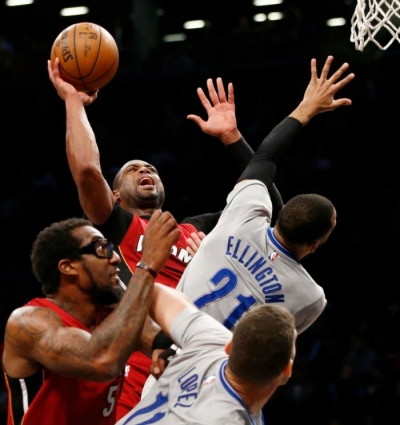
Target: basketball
88	55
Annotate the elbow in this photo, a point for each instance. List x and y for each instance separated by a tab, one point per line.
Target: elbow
107	370
87	172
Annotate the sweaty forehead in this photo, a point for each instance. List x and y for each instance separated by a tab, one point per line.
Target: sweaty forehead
135	162
88	234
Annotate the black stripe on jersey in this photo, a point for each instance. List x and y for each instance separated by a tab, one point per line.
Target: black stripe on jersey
22	392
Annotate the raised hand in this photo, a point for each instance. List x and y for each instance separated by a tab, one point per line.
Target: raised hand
221	121
320	92
65	89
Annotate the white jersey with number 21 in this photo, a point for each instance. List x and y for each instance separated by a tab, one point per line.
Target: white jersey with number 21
240	264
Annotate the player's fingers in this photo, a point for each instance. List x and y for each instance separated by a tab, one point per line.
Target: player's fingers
197	237
50	71
336	75
342	102
231	95
190	251
326	68
175	234
199	121
155	370
165	223
191	245
343	82
221	90
94	95
194	241
168	222
314	69
211	92
203	99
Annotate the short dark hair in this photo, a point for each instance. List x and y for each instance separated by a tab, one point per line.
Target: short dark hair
51	245
262	344
117	180
305	218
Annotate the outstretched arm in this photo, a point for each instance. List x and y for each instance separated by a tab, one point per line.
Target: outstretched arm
221	123
318	98
166	304
95	194
35	337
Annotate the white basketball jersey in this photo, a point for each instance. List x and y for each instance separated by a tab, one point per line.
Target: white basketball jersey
193	389
240	264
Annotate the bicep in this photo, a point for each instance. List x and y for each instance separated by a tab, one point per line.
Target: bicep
35	337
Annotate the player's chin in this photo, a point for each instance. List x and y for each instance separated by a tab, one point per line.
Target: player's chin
148	191
118	285
115	294
149	198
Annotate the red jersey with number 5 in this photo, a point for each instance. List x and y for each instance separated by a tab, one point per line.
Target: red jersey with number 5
48	398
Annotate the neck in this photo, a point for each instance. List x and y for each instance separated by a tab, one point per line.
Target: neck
85	312
298	251
139	211
254	397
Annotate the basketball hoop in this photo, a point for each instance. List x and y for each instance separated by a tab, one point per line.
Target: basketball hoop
375	20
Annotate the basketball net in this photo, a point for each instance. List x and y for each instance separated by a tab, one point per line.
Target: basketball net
374	20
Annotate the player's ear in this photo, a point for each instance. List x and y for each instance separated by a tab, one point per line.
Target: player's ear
287	372
117	198
228	347
67	266
312	247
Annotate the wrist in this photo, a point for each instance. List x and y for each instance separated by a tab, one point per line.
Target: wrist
148	269
230	137
304	113
161	341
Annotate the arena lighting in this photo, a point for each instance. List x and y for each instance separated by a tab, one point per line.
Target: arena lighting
170	38
190	25
260	17
336	22
12	3
74	11
275	16
266	2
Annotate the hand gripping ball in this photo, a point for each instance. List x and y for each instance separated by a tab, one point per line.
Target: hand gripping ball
88	55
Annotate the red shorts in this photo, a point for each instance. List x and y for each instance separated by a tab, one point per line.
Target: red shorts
136	374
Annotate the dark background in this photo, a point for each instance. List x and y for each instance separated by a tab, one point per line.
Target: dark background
347	369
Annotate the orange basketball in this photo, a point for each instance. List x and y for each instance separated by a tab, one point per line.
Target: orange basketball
88	55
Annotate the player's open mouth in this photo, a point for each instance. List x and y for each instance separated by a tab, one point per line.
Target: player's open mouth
146	182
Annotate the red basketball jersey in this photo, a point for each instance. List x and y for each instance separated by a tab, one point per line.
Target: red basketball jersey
126	231
48	398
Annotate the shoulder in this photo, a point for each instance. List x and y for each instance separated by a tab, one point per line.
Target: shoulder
117	224
255	187
120	213
31	318
249	197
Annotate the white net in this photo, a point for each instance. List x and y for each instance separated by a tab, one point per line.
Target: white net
377	21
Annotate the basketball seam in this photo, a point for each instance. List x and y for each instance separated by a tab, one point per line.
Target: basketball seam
80	79
77	58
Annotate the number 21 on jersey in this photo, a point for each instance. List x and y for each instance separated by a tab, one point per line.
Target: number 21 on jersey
243	302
